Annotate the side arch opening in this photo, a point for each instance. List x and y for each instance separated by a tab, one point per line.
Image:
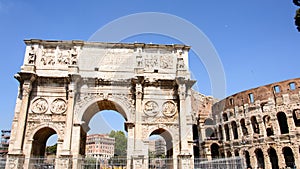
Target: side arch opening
162	155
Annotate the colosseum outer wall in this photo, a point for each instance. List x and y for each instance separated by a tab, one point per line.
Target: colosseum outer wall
261	124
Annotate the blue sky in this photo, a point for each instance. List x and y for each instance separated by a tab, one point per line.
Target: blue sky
256	41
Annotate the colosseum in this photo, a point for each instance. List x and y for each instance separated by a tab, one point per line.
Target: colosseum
261	124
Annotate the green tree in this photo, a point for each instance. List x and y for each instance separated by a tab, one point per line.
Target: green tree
120	142
297	16
296	2
297	19
51	149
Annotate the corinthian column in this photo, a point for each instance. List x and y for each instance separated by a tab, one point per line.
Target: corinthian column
26	80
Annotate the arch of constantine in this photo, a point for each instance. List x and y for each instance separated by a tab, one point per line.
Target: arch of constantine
63	84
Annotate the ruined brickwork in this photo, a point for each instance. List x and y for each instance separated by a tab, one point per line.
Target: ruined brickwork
261	124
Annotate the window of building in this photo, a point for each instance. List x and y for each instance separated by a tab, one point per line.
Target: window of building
225	117
276	89
209	121
231	101
292	86
251	97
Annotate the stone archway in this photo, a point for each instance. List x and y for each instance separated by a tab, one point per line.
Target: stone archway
67	82
214	148
169	161
260	163
38	148
97	104
288	157
39	141
273	158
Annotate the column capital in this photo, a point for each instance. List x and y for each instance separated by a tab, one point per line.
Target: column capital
25	80
25	77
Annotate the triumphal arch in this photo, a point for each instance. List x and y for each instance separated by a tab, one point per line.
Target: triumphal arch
63	84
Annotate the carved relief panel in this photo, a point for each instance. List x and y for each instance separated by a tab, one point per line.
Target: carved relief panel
154	61
161	111
52	55
58	106
59	55
41	106
151	108
169	108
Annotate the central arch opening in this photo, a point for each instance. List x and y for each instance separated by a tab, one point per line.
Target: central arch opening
103	135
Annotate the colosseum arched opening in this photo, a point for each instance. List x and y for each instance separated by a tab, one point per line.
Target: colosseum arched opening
288	157
282	121
260	158
273	158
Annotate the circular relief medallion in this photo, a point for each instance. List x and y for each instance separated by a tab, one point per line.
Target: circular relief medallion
40	105
58	106
169	108
151	108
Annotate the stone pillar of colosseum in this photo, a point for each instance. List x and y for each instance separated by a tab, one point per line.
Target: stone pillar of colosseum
223	133
290	121
230	132
296	155
262	128
275	123
281	160
266	156
239	129
253	160
249	126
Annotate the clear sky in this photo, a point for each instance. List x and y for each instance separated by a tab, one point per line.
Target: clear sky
256	40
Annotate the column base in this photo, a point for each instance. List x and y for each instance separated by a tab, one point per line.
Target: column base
64	161
139	162
15	161
185	161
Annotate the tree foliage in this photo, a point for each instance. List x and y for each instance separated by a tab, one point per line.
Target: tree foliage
297	19
296	2
51	149
120	142
297	16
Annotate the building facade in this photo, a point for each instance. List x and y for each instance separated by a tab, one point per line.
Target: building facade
100	146
261	124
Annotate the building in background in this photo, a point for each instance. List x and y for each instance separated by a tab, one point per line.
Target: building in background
5	136
151	148
100	146
160	147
